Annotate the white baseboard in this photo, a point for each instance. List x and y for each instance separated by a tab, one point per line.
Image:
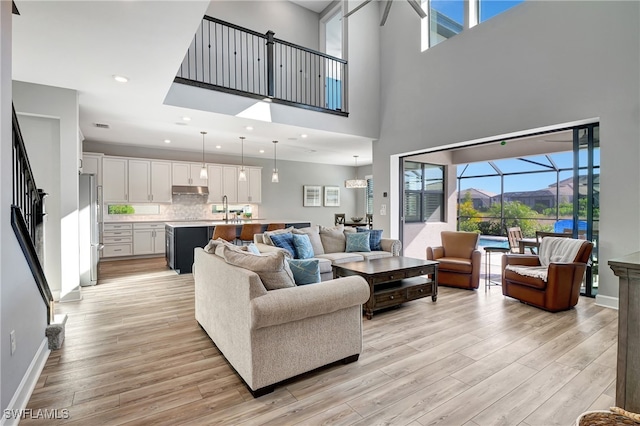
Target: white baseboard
607	301
27	384
74	295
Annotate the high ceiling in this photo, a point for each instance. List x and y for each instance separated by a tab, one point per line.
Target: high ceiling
81	45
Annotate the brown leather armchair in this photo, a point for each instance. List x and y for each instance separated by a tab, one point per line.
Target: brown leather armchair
459	259
562	288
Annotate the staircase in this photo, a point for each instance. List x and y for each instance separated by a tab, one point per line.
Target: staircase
27	213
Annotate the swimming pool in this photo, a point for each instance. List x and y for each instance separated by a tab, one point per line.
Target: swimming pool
490	241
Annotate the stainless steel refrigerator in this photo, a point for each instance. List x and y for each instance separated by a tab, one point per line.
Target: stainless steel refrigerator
89	218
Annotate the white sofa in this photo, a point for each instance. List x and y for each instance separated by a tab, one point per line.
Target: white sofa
331	252
270	336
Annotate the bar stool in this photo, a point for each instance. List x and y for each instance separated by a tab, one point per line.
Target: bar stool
226	232
248	231
275	226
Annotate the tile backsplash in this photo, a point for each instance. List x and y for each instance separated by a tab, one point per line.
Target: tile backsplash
184	207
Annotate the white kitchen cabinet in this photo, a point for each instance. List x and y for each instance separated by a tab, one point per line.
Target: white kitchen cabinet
216	188
139	181
230	183
250	191
92	164
148	238
115	179
117	239
160	182
187	174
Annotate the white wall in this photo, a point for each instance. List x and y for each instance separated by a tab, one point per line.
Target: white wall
538	64
61	105
42	140
281	200
21	307
287	20
417	236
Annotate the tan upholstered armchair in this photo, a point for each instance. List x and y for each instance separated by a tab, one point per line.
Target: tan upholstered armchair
459	259
561	288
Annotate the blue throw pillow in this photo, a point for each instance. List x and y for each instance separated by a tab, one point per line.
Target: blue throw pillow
375	235
302	243
285	241
305	271
357	242
252	248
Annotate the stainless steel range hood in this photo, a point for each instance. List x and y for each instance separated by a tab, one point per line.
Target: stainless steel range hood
189	190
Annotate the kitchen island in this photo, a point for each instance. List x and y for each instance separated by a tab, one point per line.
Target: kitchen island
182	237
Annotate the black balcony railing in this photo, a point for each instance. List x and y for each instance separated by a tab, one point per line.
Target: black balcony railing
229	58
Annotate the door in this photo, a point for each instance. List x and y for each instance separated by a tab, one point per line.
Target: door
215	184
160	182
143	241
255	185
114	173
586	197
181	173
159	241
139	181
195	175
230	183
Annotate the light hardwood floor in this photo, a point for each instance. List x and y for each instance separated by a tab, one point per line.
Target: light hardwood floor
134	354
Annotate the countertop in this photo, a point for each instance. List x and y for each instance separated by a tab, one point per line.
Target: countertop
175	224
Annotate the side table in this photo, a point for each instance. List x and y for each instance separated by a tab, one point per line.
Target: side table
487	263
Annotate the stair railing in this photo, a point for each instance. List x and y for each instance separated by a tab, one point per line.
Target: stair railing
27	213
229	58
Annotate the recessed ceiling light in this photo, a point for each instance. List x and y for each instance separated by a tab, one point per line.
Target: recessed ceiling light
218	146
262	151
167	141
303	136
249	128
120	78
186	118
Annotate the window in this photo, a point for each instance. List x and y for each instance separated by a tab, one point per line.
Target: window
491	8
423	192
368	194
446	19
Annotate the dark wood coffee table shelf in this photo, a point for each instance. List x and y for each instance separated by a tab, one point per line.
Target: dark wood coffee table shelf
393	280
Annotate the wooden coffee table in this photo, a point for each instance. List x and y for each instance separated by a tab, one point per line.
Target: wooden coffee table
393	280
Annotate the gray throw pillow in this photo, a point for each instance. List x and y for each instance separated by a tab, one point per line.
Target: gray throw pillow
272	268
314	236
220	244
266	237
333	239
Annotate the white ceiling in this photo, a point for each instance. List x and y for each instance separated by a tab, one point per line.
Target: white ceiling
80	45
315	5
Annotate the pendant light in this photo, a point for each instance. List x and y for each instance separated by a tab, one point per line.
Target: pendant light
203	170
242	176
274	175
355	183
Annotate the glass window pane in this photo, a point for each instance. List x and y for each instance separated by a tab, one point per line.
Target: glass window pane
412	176
433	177
412	207
491	8
446	19
432	207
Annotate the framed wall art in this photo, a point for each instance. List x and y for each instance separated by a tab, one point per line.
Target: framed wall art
332	196
312	196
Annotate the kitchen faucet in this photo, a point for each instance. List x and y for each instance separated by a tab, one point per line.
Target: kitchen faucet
225	205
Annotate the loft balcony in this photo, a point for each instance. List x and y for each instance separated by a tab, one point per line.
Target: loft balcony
236	60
